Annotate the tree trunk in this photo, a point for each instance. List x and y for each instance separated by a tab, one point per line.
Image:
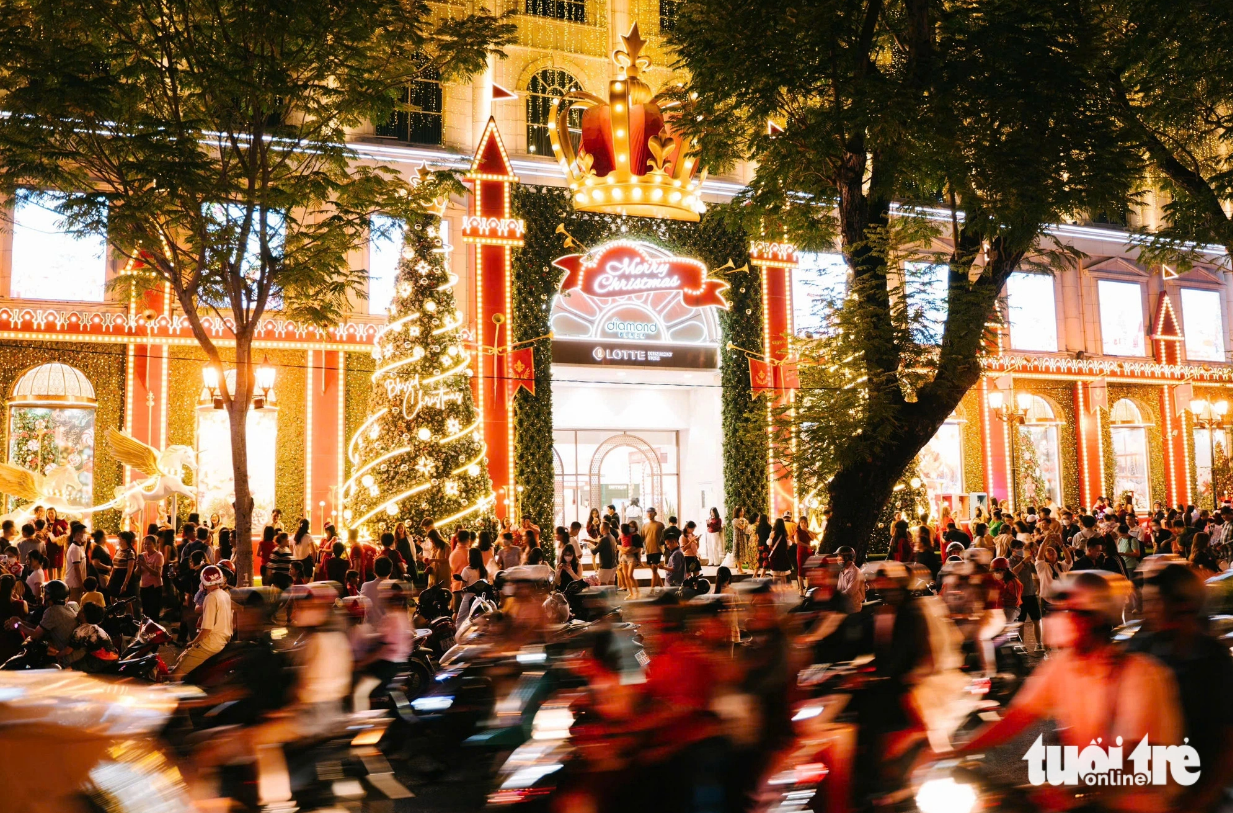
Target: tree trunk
237	411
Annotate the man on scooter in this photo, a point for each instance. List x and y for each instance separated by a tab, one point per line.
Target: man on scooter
216	623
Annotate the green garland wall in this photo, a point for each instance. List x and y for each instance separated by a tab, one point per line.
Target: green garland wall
972	442
104	365
535	283
358	383
290	386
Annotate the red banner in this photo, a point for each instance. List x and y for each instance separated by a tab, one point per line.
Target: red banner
519	371
765	377
760	376
627	268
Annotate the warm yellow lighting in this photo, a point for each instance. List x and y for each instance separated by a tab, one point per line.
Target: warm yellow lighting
995	399
1024	400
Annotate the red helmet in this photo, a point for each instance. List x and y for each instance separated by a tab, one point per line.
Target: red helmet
212	576
228	565
1001	563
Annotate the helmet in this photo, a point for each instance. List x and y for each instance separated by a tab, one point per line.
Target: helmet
954	549
56	591
977	556
1096	592
226	564
1001	563
845	550
700	585
435	602
887	569
556	609
313	593
212	576
356	607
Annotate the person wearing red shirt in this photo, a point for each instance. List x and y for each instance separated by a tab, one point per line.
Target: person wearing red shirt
362	556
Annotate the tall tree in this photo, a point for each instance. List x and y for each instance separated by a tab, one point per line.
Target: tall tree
953	129
208	139
1169	75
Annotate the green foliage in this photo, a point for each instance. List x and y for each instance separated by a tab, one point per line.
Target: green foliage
420	451
1170	83
947	132
1029	479
535	282
208	139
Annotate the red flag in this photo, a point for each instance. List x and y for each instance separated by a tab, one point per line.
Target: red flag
520	370
760	376
1098	395
789	376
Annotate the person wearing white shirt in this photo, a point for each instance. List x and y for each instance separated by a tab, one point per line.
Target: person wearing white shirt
215	626
372	590
851	583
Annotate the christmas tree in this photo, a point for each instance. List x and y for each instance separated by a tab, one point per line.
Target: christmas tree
419	455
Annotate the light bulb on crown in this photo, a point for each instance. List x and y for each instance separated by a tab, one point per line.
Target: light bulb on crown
629	143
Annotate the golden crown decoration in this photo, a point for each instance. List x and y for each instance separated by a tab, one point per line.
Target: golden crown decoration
628	161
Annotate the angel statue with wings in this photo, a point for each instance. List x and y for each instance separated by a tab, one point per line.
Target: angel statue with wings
50	490
164	471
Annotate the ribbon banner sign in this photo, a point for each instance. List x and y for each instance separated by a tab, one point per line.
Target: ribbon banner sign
623	268
632	304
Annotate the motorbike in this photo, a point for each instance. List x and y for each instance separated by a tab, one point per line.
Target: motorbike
33	655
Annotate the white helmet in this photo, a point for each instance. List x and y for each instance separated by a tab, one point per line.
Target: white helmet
212	576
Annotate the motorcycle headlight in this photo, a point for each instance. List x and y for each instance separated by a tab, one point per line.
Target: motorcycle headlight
945	795
432	704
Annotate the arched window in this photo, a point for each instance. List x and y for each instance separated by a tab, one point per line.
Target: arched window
1129	435
573	11
417	119
1041	454
549	84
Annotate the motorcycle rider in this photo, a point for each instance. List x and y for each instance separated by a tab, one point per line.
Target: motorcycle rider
1127	695
1175	631
851	581
58	621
215	626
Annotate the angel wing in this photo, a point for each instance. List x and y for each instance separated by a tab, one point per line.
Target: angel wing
132	452
20	483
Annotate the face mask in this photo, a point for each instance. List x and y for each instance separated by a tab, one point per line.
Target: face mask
1066	523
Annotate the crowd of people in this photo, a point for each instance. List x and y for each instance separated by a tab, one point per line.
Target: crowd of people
935	606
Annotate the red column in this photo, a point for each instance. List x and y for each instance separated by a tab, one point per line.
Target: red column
494	233
776	261
1176	454
1090	442
146	398
994	446
324	440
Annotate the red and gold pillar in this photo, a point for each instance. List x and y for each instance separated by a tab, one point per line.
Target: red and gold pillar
325	443
775	261
145	397
494	233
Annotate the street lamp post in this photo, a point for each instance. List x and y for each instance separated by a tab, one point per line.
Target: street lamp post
1012	412
1209	415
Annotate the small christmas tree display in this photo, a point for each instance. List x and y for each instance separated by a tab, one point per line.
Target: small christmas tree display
419	455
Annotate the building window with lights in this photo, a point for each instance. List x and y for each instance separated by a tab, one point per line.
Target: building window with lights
544	87
925	288
1203	324
667	14
572	11
819	285
1032	312
49	261
1130	467
941	462
417	116
1121	318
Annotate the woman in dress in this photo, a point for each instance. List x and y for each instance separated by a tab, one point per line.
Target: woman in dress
569	569
901	544
741	539
804	549
779	558
437	560
714	538
762	530
593	524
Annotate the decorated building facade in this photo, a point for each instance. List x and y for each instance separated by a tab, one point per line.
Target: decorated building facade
625	345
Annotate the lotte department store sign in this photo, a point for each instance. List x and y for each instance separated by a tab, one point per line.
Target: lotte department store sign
632	304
